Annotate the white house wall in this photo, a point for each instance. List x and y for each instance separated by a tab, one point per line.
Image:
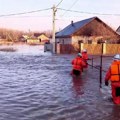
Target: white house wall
85	39
63	40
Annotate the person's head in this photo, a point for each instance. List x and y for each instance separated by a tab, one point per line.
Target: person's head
117	57
84	50
79	55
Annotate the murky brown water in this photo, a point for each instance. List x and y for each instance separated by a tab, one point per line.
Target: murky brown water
38	86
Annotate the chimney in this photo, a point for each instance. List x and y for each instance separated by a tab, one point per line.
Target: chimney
72	23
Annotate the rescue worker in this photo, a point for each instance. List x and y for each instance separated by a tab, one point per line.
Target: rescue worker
78	65
113	74
85	57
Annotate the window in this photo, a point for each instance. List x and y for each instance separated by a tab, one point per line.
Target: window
89	41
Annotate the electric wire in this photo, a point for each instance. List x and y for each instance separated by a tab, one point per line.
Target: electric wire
22	13
59	3
69	8
88	12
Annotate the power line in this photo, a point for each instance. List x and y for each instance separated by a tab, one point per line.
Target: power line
22	13
72	4
70	7
32	16
87	12
59	3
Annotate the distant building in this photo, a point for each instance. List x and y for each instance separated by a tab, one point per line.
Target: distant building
38	38
43	38
23	38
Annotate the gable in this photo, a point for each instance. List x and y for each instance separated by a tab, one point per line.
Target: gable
96	28
43	37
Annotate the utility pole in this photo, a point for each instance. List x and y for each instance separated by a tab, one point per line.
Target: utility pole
53	36
101	65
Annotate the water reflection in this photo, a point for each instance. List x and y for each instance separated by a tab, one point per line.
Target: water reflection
77	85
115	112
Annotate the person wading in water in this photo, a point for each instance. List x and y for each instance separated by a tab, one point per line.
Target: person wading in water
78	64
113	74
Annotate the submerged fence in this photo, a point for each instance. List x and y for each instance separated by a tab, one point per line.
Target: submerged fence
101	67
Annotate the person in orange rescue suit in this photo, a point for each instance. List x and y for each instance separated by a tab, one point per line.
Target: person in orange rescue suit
85	57
113	74
78	64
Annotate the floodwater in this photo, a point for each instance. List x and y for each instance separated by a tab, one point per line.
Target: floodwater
38	86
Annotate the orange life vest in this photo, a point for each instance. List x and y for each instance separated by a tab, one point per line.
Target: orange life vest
115	72
78	64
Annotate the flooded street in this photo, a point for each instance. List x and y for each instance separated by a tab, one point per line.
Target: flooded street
38	86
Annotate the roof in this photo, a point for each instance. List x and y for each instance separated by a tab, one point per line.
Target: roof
43	37
38	34
118	30
73	27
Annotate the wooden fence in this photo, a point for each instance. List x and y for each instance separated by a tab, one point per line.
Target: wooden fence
107	49
93	49
65	49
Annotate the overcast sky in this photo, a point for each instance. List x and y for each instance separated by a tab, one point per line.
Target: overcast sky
107	10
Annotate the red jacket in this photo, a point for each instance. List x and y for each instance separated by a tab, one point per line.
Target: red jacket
78	63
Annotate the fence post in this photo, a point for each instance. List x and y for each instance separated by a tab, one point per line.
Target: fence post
101	65
92	62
